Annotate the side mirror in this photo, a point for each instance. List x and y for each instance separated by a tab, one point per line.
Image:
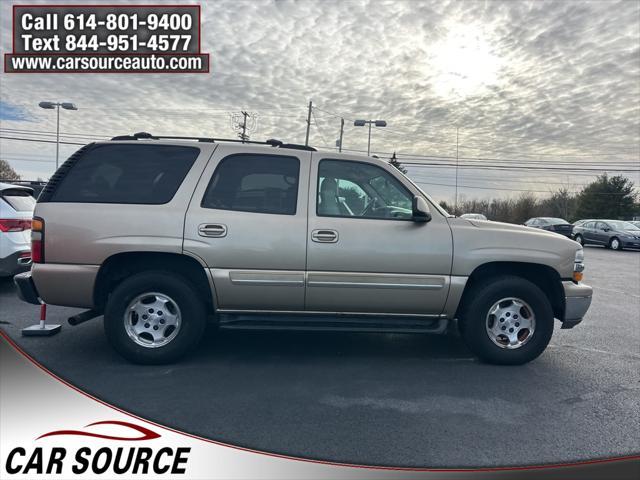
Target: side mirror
420	210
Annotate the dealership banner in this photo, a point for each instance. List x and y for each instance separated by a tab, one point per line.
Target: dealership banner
106	39
51	429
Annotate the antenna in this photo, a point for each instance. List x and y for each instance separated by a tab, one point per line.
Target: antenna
244	123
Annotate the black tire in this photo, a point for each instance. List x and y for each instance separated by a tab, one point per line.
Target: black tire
180	290
477	304
619	244
579	239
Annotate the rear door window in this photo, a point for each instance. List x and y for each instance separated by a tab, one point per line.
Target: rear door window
20	200
123	173
255	183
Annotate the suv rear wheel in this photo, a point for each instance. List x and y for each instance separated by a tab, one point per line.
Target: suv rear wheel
508	321
154	317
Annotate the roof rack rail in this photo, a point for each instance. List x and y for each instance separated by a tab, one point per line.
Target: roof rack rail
272	141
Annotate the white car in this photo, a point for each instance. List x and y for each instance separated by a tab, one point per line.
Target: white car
473	216
16	211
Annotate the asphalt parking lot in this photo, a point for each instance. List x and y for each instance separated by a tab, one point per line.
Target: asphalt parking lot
401	400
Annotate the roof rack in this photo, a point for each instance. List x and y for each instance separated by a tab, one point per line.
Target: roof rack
272	141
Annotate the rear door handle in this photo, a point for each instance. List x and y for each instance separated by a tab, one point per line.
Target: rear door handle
324	236
212	230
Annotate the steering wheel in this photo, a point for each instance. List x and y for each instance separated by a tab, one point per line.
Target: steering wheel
369	208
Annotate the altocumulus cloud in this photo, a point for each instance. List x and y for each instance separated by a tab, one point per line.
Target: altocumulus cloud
516	78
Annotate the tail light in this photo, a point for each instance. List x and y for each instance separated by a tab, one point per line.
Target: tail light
37	240
14	225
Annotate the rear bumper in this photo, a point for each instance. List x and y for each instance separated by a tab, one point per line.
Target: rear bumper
14	263
26	288
577	302
65	284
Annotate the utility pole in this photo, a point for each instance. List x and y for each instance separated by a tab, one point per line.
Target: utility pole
341	134
243	135
57	136
455	208
244	123
306	141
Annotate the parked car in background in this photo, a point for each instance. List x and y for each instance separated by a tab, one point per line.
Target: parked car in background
614	234
473	216
557	225
35	185
16	209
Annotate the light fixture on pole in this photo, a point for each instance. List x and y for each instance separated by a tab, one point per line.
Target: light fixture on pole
362	123
57	105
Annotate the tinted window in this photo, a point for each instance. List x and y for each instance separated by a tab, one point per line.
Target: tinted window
620	225
20	200
357	189
255	183
145	174
589	225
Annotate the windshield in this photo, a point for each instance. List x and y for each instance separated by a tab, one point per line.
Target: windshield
619	225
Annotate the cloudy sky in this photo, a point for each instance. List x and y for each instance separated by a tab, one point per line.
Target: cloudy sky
551	86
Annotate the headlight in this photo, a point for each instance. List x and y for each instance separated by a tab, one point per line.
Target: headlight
578	265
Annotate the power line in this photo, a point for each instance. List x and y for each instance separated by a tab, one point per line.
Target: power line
48	134
506	167
39	140
442	158
471	147
511	189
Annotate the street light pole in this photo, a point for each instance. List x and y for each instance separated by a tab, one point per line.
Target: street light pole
362	123
57	135
57	105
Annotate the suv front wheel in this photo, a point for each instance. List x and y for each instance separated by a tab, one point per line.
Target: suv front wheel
508	321
154	317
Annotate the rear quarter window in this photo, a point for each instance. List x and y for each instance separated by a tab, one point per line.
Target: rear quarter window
123	173
19	200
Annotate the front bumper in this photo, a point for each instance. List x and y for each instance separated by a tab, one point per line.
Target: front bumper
630	243
26	288
576	302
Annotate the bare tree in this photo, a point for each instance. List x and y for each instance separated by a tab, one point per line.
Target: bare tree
7	173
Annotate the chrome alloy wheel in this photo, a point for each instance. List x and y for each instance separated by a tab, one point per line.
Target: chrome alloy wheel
152	319
510	323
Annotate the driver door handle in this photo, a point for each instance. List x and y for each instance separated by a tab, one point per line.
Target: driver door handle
324	236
